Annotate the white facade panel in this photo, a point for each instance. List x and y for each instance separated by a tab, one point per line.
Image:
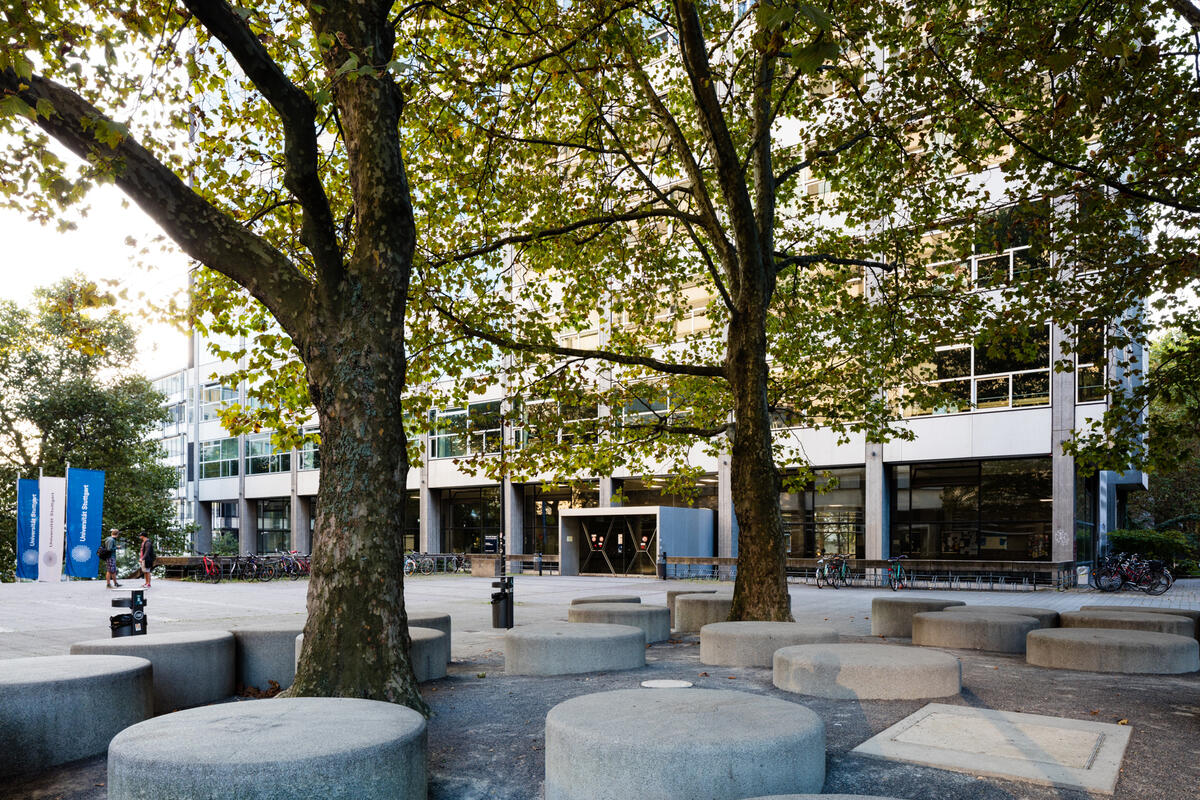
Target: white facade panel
276	484
997	434
217	489
308	481
821	447
1087	413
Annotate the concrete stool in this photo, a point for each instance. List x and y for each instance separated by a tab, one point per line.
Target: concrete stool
996	633
1191	614
681	744
430	619
694	611
892	616
266	654
653	620
191	668
1046	617
1129	621
753	644
55	709
673	593
866	672
606	598
430	653
823	797
1111	650
567	648
327	747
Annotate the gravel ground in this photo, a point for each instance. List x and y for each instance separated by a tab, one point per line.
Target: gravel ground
487	730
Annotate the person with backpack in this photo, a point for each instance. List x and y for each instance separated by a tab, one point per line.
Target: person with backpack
146	558
108	552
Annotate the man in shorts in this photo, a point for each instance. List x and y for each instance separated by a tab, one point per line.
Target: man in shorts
110	563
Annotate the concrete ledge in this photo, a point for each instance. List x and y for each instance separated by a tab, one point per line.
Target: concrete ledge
694	611
431	619
55	709
654	621
673	593
266	654
568	648
866	672
1112	650
1129	621
823	797
997	633
1046	617
753	644
191	668
606	598
1191	614
892	616
325	747
681	744
430	653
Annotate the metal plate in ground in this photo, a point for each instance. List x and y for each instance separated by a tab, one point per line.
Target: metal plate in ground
666	684
1055	751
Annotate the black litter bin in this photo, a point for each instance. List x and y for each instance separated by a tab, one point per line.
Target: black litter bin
133	623
502	604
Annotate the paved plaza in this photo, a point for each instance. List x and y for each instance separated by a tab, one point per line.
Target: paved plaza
486	736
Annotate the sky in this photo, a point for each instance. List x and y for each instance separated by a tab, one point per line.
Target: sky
34	255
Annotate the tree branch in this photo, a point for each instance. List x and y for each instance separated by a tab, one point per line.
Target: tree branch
817	155
1188	10
784	260
205	233
296	110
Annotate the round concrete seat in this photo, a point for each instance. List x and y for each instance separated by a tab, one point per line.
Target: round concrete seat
266	653
190	668
892	616
654	621
673	593
430	653
823	797
694	611
55	709
606	598
753	644
866	672
567	648
1191	614
1046	617
996	633
681	744
327	747
1113	650
1129	621
431	619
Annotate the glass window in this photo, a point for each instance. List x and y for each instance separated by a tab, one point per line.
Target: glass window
449	438
471	519
828	516
274	525
263	458
1090	382
1010	370
213	398
310	453
219	458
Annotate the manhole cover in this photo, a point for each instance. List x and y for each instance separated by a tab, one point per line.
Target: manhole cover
667	684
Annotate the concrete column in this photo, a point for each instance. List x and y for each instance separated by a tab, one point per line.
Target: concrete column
875	491
726	518
1062	428
431	519
203	538
247	525
606	492
301	524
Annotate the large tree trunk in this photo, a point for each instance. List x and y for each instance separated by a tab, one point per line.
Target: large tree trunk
356	641
760	592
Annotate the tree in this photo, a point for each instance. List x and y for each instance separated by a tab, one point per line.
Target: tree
299	195
67	395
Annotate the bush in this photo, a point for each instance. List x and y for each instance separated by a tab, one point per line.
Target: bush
1170	546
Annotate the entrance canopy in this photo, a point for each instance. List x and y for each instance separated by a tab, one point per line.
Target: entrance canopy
627	540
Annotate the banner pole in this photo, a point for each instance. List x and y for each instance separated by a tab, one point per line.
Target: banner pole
67	569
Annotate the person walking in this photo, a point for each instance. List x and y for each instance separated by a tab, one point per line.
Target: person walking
110	562
146	558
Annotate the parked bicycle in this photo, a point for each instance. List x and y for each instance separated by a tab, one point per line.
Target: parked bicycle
459	563
1114	573
827	572
210	568
418	561
896	576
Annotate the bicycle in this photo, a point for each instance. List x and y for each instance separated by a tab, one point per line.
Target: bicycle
211	568
895	573
825	575
841	569
460	563
418	561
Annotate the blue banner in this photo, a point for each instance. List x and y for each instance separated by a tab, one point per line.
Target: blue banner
27	528
85	512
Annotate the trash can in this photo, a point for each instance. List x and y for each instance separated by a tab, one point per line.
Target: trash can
502	604
662	565
133	623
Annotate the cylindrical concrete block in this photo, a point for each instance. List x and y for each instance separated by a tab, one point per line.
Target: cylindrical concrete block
681	744
996	633
266	653
327	747
567	648
892	616
653	620
1129	621
1190	613
673	593
1113	650
866	672
694	611
606	598
1046	617
191	668
753	644
55	709
431	619
823	797
430	653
